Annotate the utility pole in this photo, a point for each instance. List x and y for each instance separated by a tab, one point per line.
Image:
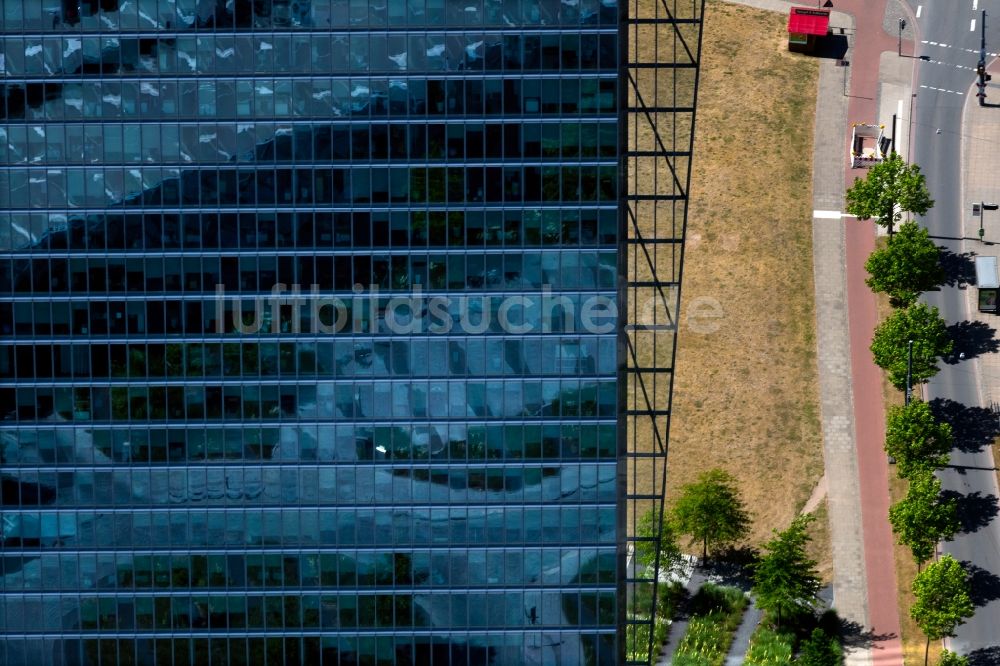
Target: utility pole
981	66
902	26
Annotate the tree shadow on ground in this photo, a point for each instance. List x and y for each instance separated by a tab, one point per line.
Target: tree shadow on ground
971	338
958	269
984	586
856	636
973	427
989	656
975	510
733	567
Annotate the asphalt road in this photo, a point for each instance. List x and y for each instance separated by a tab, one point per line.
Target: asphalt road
936	139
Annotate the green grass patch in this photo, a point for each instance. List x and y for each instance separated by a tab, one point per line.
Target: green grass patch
770	648
716	613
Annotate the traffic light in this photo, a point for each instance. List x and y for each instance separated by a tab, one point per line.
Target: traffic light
981	69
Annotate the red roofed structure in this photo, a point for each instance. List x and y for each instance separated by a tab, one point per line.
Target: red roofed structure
805	25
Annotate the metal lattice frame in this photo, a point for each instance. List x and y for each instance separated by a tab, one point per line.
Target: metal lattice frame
661	52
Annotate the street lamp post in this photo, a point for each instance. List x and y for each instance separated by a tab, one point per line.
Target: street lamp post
908	394
909	373
909	130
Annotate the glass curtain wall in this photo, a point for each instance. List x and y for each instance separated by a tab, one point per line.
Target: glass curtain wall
307	340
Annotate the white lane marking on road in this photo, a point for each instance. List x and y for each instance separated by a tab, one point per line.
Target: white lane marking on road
975	5
944	90
949	64
972	25
976	51
920	8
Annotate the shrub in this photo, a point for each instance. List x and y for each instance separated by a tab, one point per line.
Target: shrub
951	659
820	649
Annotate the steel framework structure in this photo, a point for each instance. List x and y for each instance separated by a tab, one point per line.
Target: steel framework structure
661	54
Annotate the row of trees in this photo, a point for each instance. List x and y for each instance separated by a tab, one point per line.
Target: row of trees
907	345
906	266
920	444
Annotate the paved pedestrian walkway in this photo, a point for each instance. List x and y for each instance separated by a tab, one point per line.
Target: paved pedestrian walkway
741	641
694	579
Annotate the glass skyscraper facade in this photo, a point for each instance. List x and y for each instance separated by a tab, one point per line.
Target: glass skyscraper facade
307	344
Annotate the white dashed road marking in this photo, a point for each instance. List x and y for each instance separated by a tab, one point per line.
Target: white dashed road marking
920	8
950	64
945	46
972	25
953	92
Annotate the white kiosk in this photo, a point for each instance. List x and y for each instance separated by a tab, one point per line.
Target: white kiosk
869	145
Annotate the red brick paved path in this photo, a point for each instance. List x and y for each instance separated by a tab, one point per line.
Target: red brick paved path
869	413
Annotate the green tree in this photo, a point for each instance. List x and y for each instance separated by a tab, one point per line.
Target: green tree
891	188
710	511
923	517
916	439
949	658
942	600
785	580
907	265
646	551
820	650
924	326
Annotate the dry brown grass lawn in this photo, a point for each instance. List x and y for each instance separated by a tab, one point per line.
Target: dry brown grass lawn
746	396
